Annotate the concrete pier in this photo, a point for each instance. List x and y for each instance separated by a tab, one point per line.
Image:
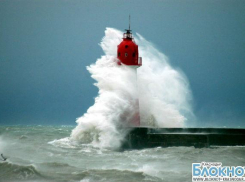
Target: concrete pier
140	138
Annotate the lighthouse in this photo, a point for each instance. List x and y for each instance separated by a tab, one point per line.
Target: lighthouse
128	55
127	52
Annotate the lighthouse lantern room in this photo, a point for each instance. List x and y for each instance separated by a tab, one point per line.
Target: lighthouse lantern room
127	52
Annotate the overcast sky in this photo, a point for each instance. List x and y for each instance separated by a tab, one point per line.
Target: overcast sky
45	46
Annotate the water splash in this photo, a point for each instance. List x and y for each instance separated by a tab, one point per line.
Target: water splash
163	93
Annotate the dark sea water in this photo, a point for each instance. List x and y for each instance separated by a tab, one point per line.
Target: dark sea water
44	153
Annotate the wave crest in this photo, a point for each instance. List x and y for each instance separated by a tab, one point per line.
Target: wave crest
11	171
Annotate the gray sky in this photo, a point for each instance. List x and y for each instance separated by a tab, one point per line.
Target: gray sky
46	44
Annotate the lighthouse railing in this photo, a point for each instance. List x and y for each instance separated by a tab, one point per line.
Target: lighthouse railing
127	36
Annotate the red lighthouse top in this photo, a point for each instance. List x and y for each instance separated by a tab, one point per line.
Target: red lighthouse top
127	51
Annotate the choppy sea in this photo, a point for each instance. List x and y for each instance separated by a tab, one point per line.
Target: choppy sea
44	153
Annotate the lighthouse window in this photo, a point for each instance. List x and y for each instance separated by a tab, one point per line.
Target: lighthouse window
118	54
126	54
126	46
134	54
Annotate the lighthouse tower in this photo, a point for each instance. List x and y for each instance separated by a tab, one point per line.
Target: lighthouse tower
128	54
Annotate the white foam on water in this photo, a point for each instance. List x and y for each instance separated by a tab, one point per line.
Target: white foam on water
63	143
163	93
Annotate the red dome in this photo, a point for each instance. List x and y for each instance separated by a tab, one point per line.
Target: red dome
127	51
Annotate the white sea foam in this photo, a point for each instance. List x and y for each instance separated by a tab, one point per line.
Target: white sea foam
64	143
163	93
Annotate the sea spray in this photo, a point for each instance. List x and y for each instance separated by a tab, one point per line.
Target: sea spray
163	93
105	121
